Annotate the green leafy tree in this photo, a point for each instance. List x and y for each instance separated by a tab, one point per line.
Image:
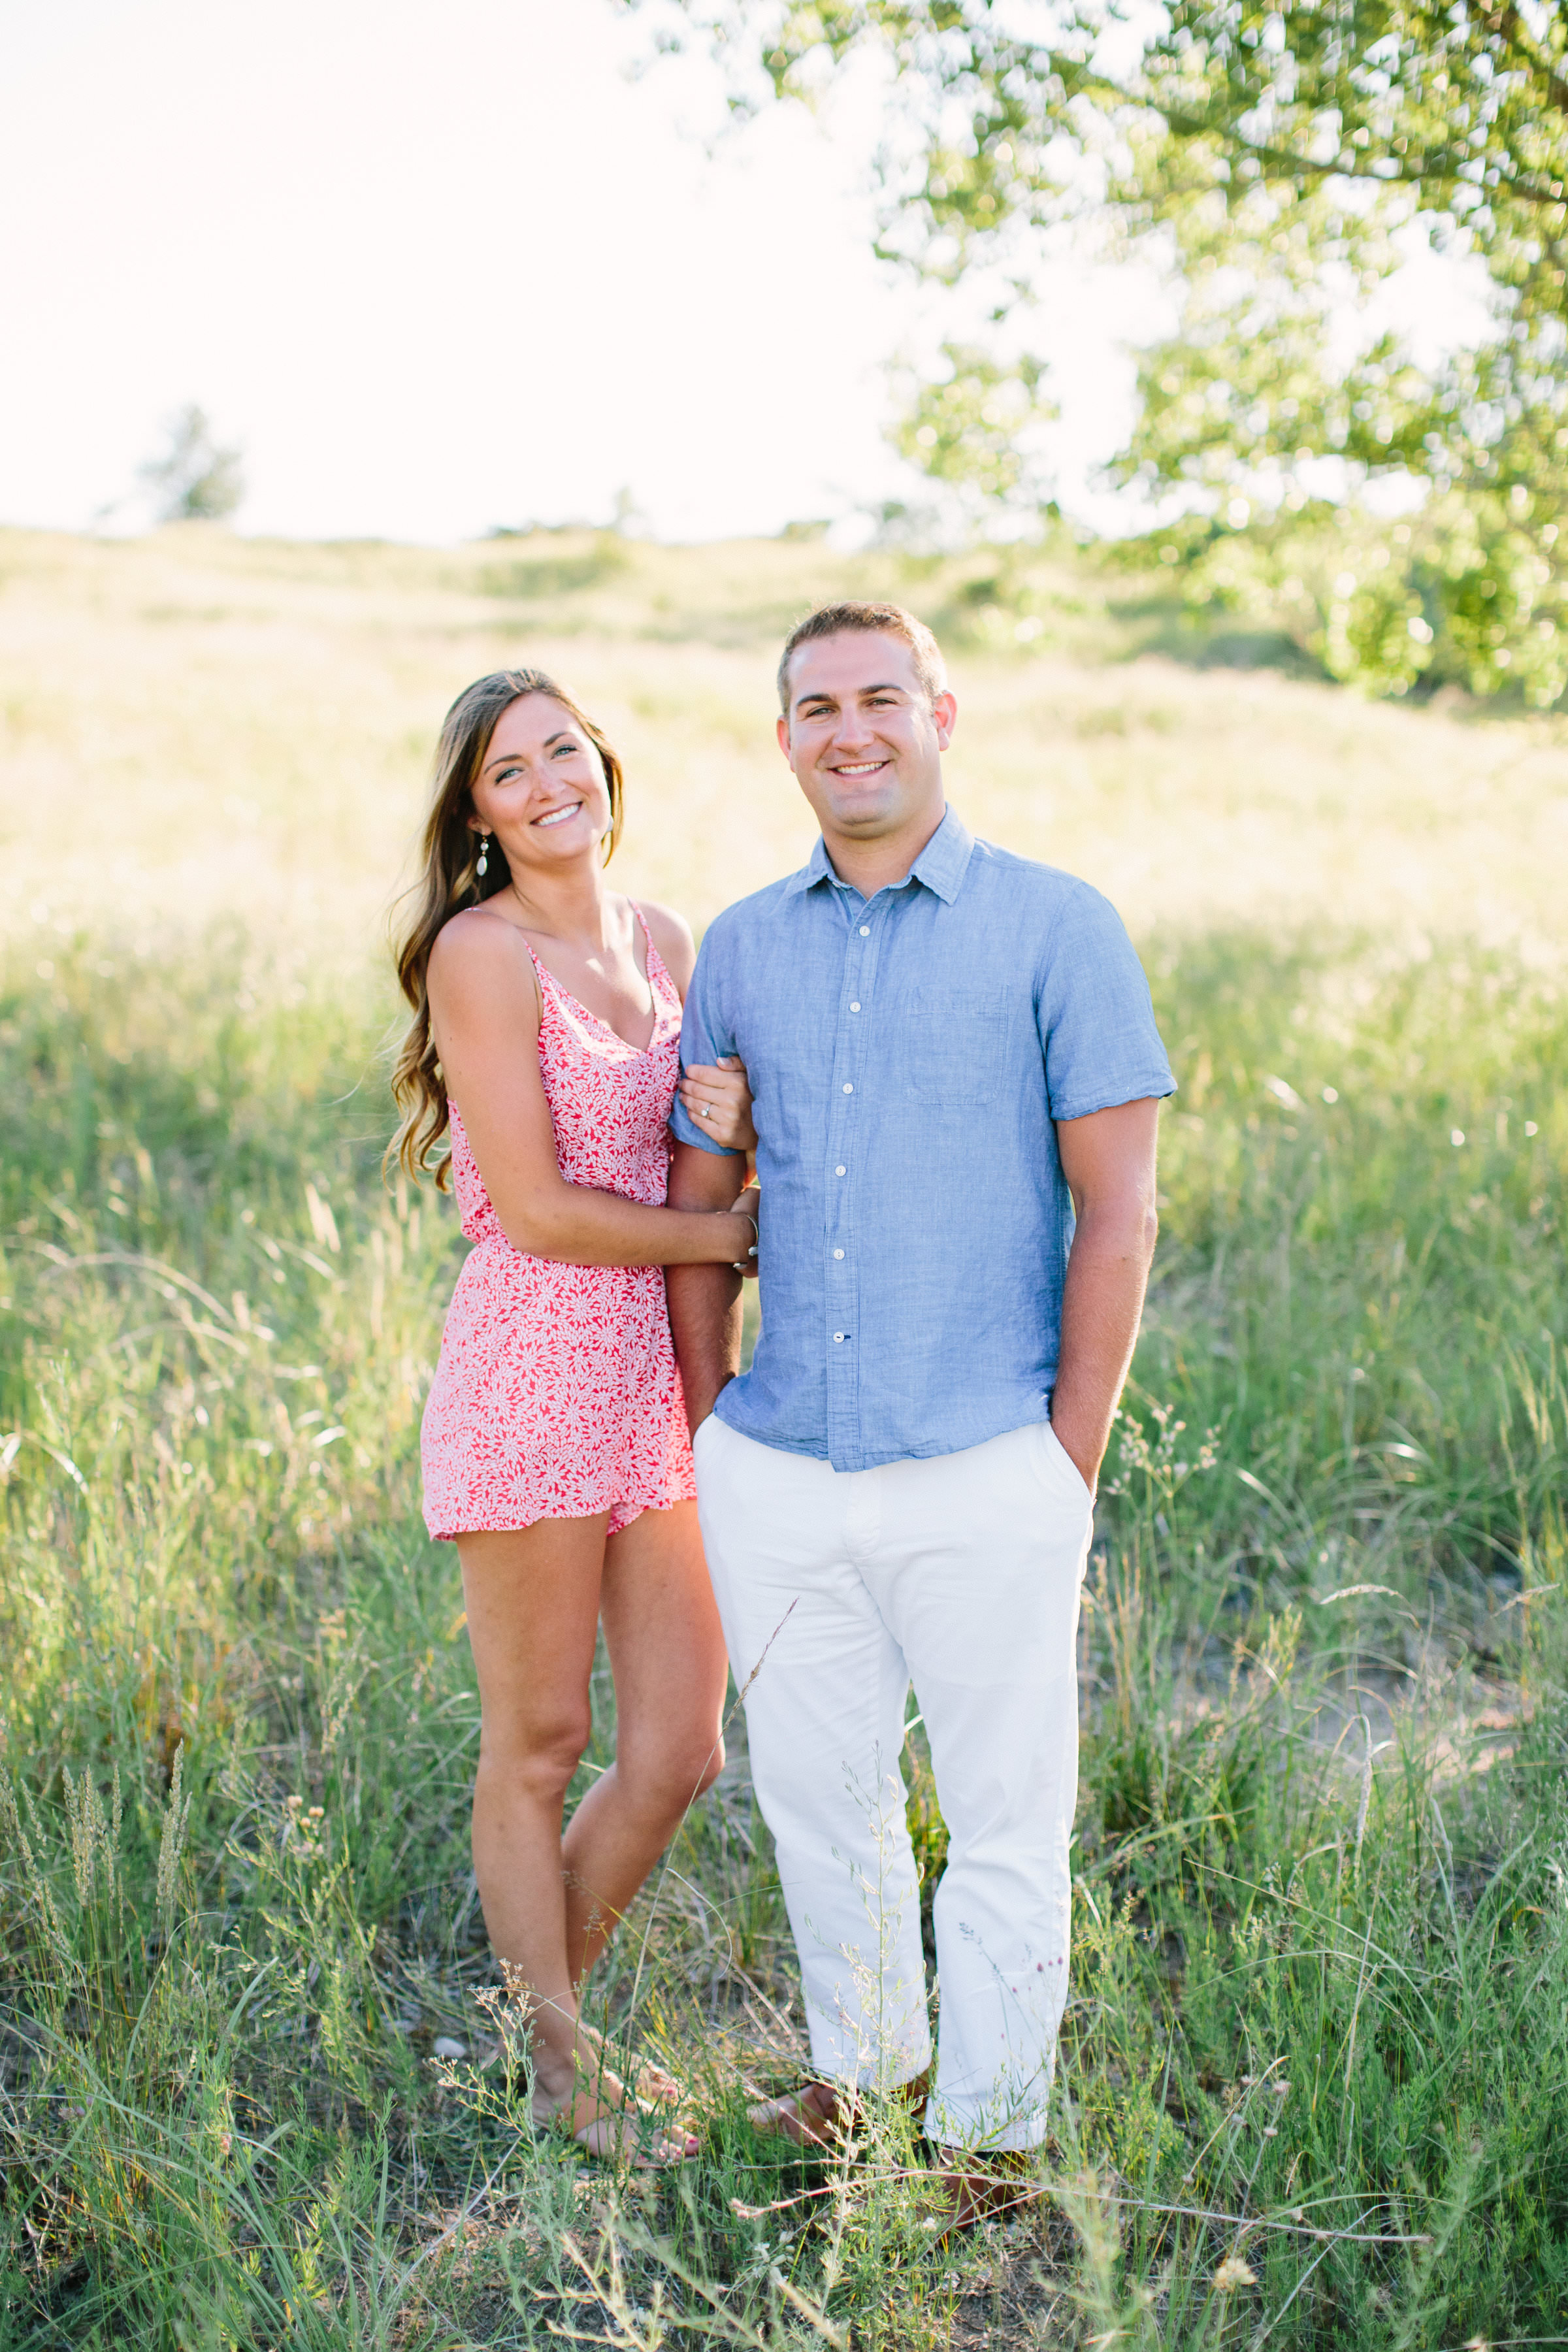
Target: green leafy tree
192	478
1455	116
975	426
1272	154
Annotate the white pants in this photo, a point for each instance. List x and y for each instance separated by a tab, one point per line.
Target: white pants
835	1589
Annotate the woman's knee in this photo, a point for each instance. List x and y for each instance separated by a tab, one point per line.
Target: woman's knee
668	1774
539	1757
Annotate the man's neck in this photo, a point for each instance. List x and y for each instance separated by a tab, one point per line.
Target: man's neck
870	866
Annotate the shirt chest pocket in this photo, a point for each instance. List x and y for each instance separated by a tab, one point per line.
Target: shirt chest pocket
953	1045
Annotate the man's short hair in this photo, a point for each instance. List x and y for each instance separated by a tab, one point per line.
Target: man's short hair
873	620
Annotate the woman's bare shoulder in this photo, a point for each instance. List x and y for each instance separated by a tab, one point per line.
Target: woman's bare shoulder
671	935
477	948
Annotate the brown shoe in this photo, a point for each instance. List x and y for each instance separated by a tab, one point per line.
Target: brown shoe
820	2114
817	2116
983	2188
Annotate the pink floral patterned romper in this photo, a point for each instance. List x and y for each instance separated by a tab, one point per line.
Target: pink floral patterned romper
557	1394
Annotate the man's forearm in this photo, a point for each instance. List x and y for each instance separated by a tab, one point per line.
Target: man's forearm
705	1317
704	1300
1102	1302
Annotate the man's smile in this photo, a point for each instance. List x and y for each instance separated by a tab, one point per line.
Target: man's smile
859	767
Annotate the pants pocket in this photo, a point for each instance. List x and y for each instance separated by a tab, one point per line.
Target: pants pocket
1057	1467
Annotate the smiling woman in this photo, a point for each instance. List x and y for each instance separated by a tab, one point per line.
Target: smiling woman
462	869
554	1443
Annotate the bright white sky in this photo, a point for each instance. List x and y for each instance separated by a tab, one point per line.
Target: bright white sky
437	268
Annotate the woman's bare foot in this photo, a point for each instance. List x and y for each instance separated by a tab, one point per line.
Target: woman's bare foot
601	2115
651	2081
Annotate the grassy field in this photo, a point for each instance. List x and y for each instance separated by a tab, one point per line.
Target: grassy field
255	2087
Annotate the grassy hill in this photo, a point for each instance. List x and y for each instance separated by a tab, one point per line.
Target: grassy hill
255	2087
198	727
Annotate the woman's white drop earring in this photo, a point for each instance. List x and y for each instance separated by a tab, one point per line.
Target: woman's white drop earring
483	866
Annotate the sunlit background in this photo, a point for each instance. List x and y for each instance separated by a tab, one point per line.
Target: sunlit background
433	272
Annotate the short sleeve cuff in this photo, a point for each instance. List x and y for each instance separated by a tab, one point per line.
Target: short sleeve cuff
1155	1088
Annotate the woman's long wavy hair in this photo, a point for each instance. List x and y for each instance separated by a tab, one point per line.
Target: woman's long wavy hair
451	881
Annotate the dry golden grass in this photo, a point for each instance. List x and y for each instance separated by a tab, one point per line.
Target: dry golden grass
197	727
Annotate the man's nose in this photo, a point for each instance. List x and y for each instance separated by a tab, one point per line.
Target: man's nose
852	731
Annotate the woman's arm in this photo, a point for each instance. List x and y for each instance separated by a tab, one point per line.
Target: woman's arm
484	1012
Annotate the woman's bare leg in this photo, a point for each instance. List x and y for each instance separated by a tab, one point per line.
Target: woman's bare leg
667	1654
534	1600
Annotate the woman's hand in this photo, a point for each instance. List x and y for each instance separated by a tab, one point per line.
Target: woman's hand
717	1096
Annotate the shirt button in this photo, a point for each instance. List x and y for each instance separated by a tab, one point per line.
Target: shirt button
838	1338
837	1252
848	1088
841	1171
854	1008
865	930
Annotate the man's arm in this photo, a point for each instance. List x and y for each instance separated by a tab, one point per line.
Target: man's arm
704	1300
1107	1159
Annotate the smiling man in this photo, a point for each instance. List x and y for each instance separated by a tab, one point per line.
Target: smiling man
956	1078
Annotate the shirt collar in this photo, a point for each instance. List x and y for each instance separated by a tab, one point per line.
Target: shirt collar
940	865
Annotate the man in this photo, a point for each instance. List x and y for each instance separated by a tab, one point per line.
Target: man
956	1078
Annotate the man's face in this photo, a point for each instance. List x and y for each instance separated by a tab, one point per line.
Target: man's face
863	736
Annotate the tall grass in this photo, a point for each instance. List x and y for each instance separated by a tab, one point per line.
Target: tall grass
257	2087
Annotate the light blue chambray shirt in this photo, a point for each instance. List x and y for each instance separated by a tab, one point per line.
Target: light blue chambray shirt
909	1055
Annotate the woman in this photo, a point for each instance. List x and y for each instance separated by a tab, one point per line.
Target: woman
555	1449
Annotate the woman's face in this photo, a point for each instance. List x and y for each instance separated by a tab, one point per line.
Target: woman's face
541	788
